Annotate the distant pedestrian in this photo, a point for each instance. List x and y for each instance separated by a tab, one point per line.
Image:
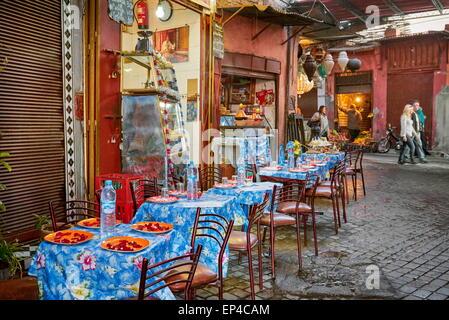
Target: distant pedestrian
354	118
407	134
422	118
417	126
321	116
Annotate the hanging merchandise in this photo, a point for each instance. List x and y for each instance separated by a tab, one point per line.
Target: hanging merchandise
318	54
310	66
304	85
328	63
343	60
142	14
354	64
322	71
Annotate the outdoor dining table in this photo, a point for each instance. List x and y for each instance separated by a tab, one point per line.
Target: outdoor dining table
182	215
86	271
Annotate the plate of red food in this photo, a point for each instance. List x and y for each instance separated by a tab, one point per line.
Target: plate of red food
272	168
125	244
178	193
164	200
93	223
225	186
297	170
69	237
152	227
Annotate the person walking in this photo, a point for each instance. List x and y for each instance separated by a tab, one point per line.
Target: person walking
354	118
417	126
407	134
422	118
321	116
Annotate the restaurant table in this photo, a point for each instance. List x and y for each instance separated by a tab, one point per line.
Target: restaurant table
247	195
182	215
88	272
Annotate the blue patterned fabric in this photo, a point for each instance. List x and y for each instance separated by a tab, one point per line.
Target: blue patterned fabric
254	148
182	215
247	195
88	272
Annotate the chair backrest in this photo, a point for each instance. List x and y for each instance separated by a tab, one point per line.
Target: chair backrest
98	195
212	226
292	191
145	188
67	212
209	175
354	158
257	211
251	167
185	266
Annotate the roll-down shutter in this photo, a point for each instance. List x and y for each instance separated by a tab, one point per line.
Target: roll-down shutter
31	111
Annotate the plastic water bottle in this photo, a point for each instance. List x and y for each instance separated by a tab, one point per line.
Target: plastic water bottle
241	175
191	181
291	159
195	183
269	158
107	215
298	162
281	158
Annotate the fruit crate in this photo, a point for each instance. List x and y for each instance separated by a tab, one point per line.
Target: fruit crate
124	200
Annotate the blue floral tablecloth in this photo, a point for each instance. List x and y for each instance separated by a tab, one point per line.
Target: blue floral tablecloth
88	272
182	215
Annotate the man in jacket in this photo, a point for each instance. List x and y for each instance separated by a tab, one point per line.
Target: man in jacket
417	125
354	118
422	119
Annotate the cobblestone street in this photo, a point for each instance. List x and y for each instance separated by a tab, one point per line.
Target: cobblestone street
401	226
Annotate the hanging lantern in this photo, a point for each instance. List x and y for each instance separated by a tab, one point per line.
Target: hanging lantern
318	54
343	60
322	71
304	85
328	63
354	64
309	67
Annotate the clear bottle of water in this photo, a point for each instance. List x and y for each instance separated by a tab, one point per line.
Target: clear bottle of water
195	183
291	159
107	212
298	162
269	158
281	155
241	172
190	181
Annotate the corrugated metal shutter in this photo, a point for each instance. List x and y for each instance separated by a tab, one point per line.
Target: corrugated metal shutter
31	110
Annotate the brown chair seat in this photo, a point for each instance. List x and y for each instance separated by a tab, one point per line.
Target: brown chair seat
237	240
324	192
290	207
203	275
279	220
350	171
20	289
328	184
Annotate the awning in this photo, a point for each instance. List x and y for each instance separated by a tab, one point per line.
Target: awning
271	15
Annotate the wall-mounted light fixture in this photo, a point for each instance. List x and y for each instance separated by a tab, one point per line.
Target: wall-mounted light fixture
164	10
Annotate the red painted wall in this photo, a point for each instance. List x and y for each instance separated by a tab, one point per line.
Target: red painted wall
238	34
109	94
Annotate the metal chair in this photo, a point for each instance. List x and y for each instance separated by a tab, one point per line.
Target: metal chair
145	188
244	242
216	227
178	276
354	159
209	175
64	213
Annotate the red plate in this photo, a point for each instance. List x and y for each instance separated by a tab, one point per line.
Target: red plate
69	237
93	223
271	168
297	170
223	186
160	199
152	227
178	194
125	244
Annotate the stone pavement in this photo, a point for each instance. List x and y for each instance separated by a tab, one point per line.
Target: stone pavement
401	227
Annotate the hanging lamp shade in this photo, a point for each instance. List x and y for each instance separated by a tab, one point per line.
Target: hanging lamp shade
309	66
343	60
328	64
354	64
304	85
318	54
322	71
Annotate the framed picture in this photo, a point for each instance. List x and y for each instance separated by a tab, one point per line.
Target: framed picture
173	44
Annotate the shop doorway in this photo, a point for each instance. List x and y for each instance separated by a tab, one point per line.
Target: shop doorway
354	88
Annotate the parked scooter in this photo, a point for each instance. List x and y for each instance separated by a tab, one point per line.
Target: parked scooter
392	140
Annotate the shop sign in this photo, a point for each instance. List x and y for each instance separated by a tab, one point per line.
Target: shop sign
218	41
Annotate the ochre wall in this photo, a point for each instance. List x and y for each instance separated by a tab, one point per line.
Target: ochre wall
238	34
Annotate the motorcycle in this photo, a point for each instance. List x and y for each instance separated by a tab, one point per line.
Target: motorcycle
392	140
